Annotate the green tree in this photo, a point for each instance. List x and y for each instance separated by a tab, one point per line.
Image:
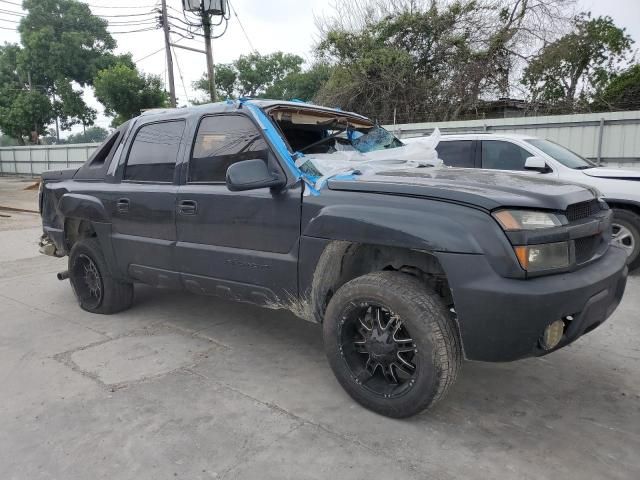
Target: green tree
226	78
125	92
301	85
415	60
93	134
575	66
64	44
623	92
255	75
23	112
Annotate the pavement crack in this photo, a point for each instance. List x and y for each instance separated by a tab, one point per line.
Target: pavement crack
303	421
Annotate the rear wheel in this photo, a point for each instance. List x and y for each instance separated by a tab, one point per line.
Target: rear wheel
626	234
391	344
95	288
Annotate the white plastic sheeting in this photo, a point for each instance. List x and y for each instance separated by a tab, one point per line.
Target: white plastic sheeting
323	166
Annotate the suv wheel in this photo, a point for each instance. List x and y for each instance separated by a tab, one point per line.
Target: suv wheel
96	290
391	343
626	234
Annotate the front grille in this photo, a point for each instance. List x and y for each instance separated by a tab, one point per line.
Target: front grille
581	210
586	247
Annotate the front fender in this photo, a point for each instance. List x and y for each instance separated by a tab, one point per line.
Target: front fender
417	224
85	207
394	227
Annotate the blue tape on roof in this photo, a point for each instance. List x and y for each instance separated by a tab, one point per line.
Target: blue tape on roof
276	140
274	137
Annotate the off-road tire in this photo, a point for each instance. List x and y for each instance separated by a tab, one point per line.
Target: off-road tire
115	295
631	221
430	325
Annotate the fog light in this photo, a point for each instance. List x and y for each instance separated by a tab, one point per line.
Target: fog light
552	335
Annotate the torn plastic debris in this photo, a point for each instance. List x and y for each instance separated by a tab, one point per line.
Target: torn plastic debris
320	167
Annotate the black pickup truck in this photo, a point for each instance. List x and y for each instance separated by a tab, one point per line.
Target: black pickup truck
408	269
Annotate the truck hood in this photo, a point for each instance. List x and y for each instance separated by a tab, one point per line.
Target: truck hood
613	173
483	188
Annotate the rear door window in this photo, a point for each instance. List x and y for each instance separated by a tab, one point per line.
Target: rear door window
501	155
456	153
153	155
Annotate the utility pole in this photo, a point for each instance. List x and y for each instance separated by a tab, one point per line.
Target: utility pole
35	123
167	46
206	24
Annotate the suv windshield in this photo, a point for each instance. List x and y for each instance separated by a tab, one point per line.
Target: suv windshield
561	154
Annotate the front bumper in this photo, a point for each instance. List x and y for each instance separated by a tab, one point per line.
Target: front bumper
503	319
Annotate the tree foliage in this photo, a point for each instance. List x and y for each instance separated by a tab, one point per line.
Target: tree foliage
64	45
93	134
125	92
416	60
277	75
23	112
623	92
579	63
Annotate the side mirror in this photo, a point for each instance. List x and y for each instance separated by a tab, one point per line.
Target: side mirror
536	163
250	175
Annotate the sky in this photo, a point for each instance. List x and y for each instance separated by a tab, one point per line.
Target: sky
286	25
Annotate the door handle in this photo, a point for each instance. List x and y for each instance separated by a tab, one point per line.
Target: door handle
122	205
188	207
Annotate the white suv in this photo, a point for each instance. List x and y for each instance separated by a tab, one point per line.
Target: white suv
620	187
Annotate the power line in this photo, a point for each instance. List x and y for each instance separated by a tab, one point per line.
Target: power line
242	27
149	55
180	73
151	12
9	12
115	7
11	3
135	31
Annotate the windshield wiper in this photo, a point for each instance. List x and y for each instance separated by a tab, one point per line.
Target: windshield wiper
583	167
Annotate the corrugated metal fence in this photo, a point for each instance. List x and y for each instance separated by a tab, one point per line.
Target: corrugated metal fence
35	159
612	137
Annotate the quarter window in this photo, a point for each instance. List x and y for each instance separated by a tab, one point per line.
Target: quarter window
223	140
153	155
500	155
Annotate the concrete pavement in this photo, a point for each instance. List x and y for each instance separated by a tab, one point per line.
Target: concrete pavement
182	386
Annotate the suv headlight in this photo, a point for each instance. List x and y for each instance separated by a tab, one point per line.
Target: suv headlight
511	220
537	257
546	256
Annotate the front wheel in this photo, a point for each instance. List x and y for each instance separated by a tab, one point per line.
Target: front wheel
391	343
95	288
626	234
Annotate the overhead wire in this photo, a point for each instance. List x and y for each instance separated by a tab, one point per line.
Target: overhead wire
246	36
180	73
116	7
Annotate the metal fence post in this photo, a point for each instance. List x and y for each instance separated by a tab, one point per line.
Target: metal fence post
15	162
600	135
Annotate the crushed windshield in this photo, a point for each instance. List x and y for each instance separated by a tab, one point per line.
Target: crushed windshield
561	154
332	142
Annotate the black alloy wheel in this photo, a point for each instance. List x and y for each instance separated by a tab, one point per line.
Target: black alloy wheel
87	281
378	349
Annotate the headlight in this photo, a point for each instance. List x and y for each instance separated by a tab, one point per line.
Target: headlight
547	256
511	220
